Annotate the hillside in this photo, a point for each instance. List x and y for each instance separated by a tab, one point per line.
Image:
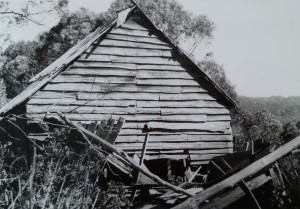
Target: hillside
284	108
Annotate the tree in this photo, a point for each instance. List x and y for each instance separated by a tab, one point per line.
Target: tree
251	126
170	17
20	13
22	60
217	73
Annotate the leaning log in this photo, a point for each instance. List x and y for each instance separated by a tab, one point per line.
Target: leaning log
231	181
124	156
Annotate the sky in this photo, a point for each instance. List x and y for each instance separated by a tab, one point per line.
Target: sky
256	41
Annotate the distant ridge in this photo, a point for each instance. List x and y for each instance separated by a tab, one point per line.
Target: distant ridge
285	109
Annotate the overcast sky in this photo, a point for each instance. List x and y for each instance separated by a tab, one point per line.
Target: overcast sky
257	41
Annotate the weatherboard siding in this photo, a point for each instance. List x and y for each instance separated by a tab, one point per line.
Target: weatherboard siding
135	74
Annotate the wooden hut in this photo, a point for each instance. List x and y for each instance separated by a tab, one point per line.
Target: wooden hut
131	69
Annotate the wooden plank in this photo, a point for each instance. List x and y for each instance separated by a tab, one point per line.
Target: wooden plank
54	95
80	109
176	138
161	67
189	111
74	102
167	82
117	96
130	52
133	60
228	198
174	146
175	104
131	32
242	174
152	74
187	89
92	79
115	131
101	88
186	97
208	126
108	42
100	72
91	64
122	37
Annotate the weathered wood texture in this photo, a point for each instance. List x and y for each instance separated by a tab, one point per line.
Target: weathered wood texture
135	74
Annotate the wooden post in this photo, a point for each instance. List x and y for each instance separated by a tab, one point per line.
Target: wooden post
250	170
124	156
133	194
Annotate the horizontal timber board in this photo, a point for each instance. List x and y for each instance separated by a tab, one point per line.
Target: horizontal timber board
208	126
200	151
130	32
150	40
129	52
189	111
167	82
174	138
133	60
118	96
109	42
186	97
54	95
152	74
176	104
74	102
173	146
80	109
100	72
92	79
102	88
90	64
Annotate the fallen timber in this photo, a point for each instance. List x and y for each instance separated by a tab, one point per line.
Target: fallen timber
124	156
236	178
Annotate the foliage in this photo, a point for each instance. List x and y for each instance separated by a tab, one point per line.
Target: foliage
285	109
22	60
59	176
217	73
170	17
249	126
3	98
